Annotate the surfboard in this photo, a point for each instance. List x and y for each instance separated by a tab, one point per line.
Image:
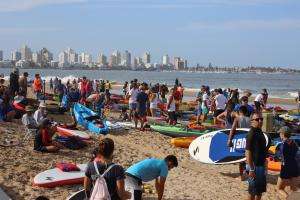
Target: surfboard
115	126
79	195
68	132
55	177
211	148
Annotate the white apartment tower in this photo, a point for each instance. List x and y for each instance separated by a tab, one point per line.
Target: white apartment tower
118	56
16	56
102	59
166	60
147	58
126	60
26	53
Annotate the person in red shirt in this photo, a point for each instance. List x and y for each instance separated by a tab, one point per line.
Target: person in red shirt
43	139
37	86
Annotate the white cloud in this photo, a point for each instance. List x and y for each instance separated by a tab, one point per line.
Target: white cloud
244	24
21	5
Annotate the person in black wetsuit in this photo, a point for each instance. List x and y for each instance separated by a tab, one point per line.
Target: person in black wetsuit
289	167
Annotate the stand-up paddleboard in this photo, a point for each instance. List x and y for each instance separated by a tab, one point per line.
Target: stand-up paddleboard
3	195
55	177
79	195
127	124
68	132
211	148
114	126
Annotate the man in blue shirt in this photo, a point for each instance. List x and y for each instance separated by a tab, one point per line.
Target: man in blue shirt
148	170
244	102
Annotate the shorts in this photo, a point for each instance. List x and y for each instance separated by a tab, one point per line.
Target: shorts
199	111
134	186
258	185
218	112
289	171
204	110
172	116
132	106
141	115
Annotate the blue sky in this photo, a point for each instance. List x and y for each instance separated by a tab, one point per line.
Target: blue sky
224	32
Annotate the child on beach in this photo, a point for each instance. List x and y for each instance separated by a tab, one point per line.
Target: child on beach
114	174
289	167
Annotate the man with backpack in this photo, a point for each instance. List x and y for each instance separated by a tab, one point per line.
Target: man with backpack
148	170
104	179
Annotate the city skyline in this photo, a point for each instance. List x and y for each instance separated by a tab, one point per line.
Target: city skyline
223	32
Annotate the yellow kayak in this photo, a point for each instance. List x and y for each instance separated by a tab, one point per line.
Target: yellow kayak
183	142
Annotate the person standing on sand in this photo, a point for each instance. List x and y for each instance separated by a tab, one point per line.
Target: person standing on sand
132	94
23	83
199	100
220	101
256	154
240	121
298	102
148	170
289	166
14	82
171	107
244	102
37	86
114	174
205	103
141	112
51	84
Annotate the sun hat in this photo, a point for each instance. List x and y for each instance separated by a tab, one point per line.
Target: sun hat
29	109
42	105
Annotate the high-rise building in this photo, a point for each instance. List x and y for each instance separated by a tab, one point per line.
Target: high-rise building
86	58
1	55
166	60
36	57
113	60
179	63
46	56
135	63
72	56
26	53
16	56
126	60
63	59
118	56
102	59
147	58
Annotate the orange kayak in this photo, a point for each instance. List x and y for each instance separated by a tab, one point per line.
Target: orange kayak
183	142
274	165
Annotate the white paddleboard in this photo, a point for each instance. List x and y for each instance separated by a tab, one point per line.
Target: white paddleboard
127	124
56	177
115	126
68	132
211	148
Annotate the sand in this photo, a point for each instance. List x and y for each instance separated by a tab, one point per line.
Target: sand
191	180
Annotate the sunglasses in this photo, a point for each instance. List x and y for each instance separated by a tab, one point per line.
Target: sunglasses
258	119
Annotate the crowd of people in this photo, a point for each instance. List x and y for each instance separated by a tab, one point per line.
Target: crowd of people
229	110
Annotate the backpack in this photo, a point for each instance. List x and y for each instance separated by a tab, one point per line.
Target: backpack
100	190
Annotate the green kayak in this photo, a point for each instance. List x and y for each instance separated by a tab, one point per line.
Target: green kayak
176	131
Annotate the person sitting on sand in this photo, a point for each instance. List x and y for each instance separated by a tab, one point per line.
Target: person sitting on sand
141	112
7	112
28	120
40	113
43	138
148	170
289	167
124	115
114	177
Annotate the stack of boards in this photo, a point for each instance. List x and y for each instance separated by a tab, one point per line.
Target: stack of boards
211	148
55	177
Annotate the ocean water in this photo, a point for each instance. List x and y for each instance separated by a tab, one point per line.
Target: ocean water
278	85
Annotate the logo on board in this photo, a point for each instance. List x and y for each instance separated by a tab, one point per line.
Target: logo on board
238	144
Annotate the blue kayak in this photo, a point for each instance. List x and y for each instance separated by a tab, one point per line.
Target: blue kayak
89	119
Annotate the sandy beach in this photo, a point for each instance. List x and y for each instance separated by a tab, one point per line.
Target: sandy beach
190	181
